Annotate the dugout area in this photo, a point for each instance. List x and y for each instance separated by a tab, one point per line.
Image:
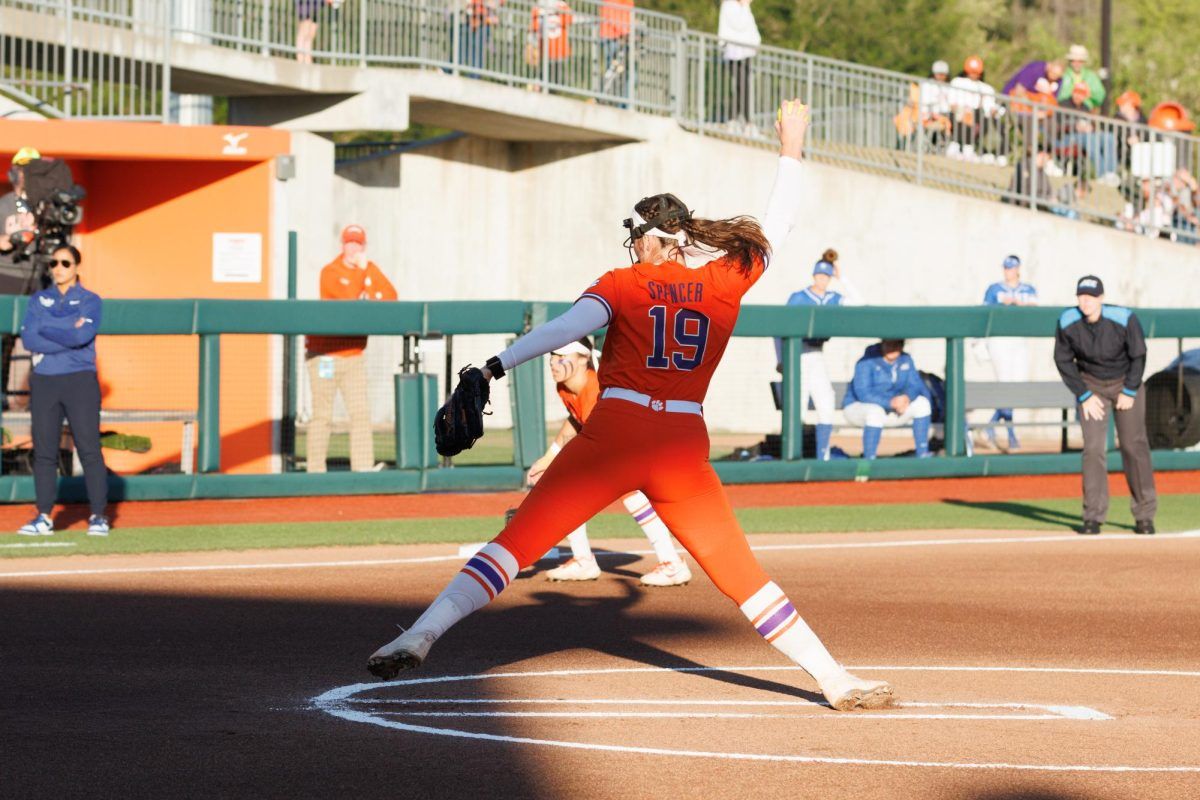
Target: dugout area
176	212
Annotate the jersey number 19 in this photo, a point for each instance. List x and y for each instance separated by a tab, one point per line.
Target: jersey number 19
690	329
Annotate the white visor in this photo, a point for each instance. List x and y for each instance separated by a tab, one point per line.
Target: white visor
680	237
574	348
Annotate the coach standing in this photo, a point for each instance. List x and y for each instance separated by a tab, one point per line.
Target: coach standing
60	331
1100	351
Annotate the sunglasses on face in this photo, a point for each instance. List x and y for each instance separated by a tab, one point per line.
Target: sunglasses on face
54	263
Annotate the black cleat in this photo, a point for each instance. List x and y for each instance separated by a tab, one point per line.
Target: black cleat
1145	526
1089	528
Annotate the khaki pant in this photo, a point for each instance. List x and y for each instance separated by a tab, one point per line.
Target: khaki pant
350	378
1135	454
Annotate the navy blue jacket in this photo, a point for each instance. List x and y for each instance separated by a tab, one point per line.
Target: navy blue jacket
876	381
1111	348
49	330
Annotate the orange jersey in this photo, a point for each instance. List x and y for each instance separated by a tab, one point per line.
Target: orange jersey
669	325
579	406
340	282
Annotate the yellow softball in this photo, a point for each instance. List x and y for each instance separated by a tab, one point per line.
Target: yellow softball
801	110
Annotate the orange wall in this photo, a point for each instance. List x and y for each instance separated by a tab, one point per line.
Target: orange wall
148	234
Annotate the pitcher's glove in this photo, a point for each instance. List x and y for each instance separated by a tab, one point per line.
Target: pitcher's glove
459	423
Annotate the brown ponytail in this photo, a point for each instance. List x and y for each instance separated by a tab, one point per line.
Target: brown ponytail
830	255
740	238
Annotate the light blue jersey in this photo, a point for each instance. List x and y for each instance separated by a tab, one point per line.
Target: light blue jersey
807	297
1021	294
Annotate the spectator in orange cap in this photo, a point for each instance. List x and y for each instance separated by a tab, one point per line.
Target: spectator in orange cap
974	104
1129	109
337	363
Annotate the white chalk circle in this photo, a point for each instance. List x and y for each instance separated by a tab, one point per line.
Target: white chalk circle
360	703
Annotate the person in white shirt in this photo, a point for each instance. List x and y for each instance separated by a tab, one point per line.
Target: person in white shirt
739	38
974	103
1009	354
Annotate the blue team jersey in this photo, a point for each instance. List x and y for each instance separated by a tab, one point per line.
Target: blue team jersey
876	381
1000	291
807	297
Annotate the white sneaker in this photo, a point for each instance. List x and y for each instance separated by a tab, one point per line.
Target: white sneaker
845	692
98	525
576	569
406	651
668	573
41	525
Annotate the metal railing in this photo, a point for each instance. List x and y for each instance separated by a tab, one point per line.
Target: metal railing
98	59
111	58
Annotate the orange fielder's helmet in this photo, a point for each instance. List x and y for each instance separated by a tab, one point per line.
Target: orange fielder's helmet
1171	116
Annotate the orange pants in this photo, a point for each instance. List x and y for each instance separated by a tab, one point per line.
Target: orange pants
623	448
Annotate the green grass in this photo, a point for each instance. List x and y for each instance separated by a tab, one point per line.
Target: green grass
1176	512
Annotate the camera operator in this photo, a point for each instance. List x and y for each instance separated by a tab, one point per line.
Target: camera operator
16	272
36	219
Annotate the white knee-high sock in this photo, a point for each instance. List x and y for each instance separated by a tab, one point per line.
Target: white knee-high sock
654	528
776	620
581	548
478	583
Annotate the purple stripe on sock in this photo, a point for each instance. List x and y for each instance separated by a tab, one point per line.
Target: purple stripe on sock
644	516
775	620
484	569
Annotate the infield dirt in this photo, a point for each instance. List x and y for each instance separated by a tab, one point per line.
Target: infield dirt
199	683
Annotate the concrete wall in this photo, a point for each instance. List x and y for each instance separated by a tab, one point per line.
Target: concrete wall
484	219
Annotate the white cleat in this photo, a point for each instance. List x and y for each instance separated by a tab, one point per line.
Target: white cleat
41	525
845	692
668	573
406	651
576	569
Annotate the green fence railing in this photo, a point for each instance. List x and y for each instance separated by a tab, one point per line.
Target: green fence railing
208	320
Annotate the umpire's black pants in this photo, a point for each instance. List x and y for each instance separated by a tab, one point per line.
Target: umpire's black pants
75	396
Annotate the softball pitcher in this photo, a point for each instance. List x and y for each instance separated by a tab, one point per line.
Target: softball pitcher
814	378
574	373
668	327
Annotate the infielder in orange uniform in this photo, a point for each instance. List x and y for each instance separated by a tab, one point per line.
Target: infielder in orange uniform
668	326
578	387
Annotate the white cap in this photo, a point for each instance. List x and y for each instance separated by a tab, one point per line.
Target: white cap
572	348
940	68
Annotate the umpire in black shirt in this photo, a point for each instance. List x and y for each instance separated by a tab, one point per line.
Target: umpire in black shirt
1100	351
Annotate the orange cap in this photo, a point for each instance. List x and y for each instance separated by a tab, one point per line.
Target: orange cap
973	65
1081	89
1171	116
354	233
1130	98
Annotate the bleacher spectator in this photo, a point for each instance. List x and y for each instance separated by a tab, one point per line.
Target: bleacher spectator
616	20
1029	79
475	31
17	276
60	329
1009	354
1077	73
739	38
338	363
975	109
928	108
1185	194
1031	176
307	12
887	392
1129	109
550	29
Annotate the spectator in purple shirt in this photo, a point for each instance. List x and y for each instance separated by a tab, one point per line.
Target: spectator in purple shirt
1028	76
